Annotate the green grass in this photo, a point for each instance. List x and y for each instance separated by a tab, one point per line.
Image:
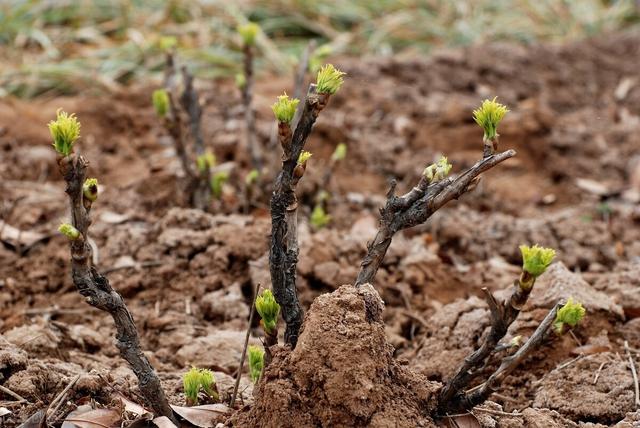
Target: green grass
71	45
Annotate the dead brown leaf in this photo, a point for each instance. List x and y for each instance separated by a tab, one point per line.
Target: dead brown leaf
86	417
205	416
468	420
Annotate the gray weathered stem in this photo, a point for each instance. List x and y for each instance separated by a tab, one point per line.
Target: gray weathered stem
415	207
97	291
249	115
283	254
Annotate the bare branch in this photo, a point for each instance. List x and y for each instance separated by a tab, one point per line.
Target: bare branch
416	207
249	115
98	292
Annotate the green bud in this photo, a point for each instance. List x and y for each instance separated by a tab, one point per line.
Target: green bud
160	100
167	42
248	32
340	152
256	362
252	177
90	189
329	80
437	171
304	157
269	310
285	108
206	161
488	116
241	80
196	380
536	260
217	182
69	231
319	218
570	314
65	130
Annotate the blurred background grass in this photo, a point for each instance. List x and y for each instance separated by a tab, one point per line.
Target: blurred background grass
66	46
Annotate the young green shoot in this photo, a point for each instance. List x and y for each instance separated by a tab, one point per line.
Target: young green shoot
65	130
285	108
205	162
340	153
69	231
304	157
166	43
268	309
196	380
160	98
329	80
90	189
252	177
570	314
248	32
488	116
319	217
217	183
241	80
535	261
256	362
437	171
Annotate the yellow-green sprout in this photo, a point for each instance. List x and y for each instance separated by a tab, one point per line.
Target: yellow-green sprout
536	260
252	177
269	310
570	314
90	189
340	152
437	171
285	108
256	362
304	157
248	32
69	231
167	42
65	130
319	218
318	57
205	162
196	380
329	79
241	80
217	183
488	116
160	99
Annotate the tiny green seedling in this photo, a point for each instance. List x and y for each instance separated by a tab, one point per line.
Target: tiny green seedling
329	79
217	183
285	108
65	130
570	314
256	362
90	189
488	116
269	310
69	231
437	171
249	32
319	217
205	162
199	380
160	98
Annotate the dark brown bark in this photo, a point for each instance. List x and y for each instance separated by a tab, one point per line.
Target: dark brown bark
97	291
283	254
415	207
466	401
249	115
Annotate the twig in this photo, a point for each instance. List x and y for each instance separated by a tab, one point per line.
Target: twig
416	207
249	115
299	80
570	362
634	373
496	412
252	309
59	399
97	291
283	254
597	376
18	397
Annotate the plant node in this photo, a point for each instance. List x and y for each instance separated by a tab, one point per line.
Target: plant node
570	314
269	310
285	108
90	189
69	231
437	171
65	130
329	79
160	99
248	32
488	116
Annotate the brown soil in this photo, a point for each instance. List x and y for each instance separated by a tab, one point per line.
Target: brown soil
187	276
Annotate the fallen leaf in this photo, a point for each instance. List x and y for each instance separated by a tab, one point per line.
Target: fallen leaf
113	218
205	416
4	411
93	418
592	186
163	422
590	349
37	420
17	238
132	407
464	421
